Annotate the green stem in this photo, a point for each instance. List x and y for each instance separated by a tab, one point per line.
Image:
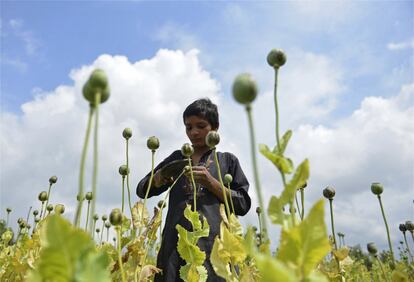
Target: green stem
95	157
118	234
107	234
103	228
87	218
148	189
94	225
302	200
388	232
231	198
41	209
223	188
48	194
7	222
123	193
382	268
276	110
408	248
82	167
260	229
193	183
255	169
332	224
28	215
129	190
297	206
334	236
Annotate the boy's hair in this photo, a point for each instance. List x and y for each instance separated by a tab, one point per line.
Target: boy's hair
203	108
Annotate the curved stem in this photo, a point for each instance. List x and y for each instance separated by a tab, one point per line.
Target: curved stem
107	234
41	209
193	183
223	188
82	167
94	225
260	229
255	169
127	177
408	248
388	231
87	217
276	110
148	189
7	222
297	206
48	194
28	214
302	200
231	198
103	228
123	189
332	224
95	156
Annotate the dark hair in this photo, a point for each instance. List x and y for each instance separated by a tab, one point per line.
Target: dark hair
203	108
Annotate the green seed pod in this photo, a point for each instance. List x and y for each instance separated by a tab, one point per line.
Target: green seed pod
53	179
78	198
377	188
104	217
20	220
187	150
42	196
303	186
258	210
29	226
228	179
49	207
329	192
59	209
212	139
127	133
35	212
95	217
153	143
98	82
107	224
23	224
187	169
276	58
244	89
160	203
372	249
123	170
98	230
89	196
37	219
115	217
402	227
254	228
409	225
8	210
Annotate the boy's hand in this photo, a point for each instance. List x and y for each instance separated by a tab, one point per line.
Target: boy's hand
201	176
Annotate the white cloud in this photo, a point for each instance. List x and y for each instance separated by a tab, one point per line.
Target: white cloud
373	144
30	41
401	45
177	36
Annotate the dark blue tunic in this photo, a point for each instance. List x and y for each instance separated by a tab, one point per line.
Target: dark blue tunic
207	204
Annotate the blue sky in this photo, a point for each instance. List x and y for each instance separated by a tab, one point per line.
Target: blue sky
346	91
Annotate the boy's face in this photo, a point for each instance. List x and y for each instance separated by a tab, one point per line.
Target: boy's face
197	128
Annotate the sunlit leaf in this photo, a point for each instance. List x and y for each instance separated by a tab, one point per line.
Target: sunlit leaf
272	269
305	245
283	164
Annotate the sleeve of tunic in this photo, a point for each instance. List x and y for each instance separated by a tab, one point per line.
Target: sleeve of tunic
143	184
239	186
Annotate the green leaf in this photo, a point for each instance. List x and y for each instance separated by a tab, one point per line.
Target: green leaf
193	273
272	269
283	143
233	246
67	250
220	264
193	217
276	204
235	225
92	267
190	252
305	245
249	241
283	164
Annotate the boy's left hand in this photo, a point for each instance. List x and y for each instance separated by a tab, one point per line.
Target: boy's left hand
201	176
